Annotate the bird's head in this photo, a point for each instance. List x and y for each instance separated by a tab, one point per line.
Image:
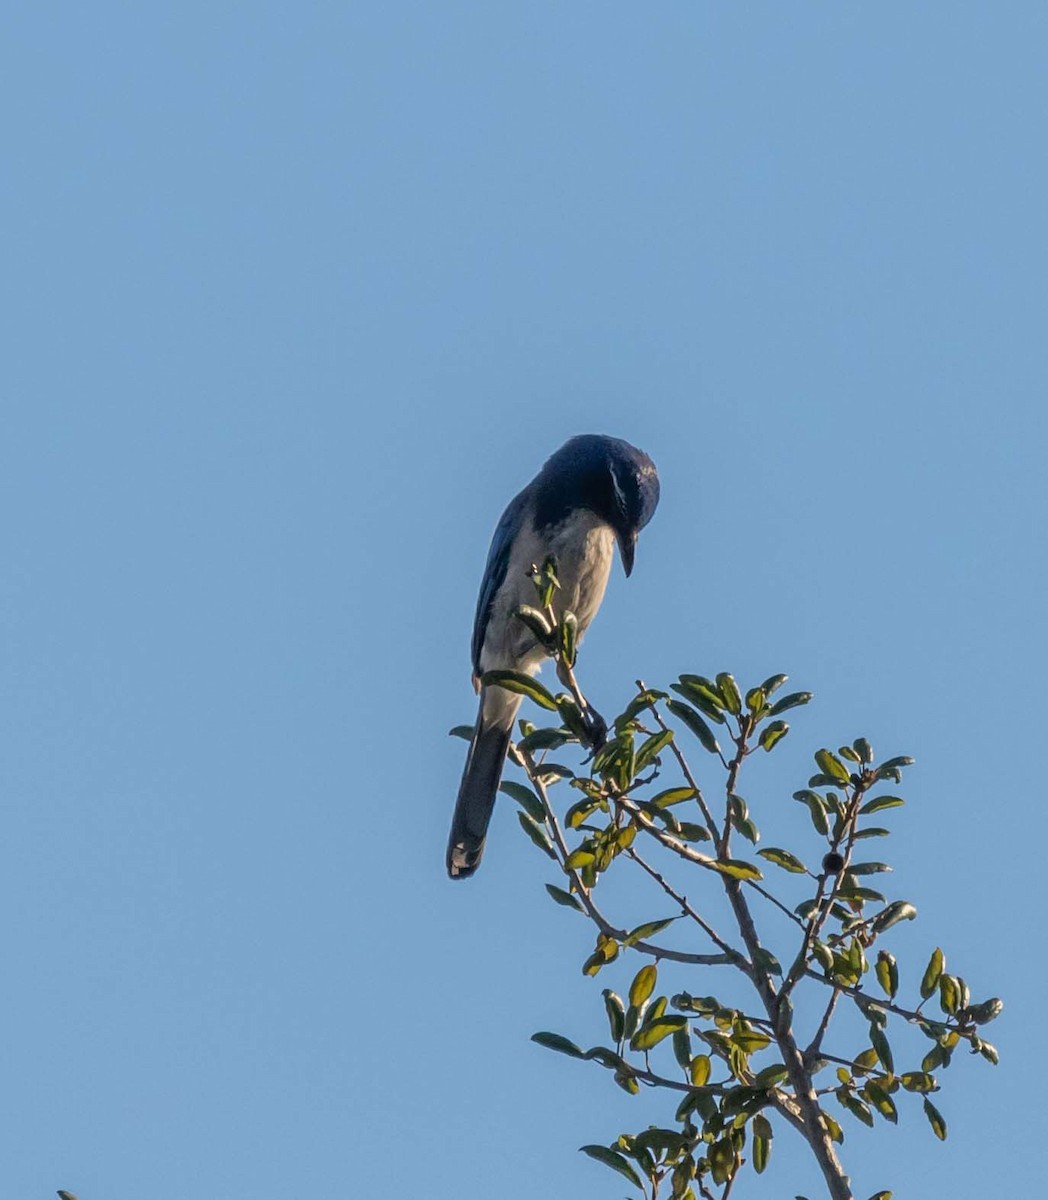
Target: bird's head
614	480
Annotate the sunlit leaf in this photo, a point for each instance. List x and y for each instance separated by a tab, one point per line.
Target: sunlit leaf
653	1033
651	748
643	984
793	700
703	694
832	766
784	859
880	802
673	796
647	930
701	1066
898	910
773	683
522	685
737	868
772	734
934	969
729	690
697	725
935	1119
989	1010
616	1011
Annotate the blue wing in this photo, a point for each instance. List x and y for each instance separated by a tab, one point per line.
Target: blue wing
495	570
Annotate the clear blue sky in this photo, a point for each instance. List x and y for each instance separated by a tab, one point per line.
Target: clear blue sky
296	297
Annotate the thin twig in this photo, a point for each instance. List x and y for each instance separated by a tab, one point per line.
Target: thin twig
813	1049
682	762
586	900
734	956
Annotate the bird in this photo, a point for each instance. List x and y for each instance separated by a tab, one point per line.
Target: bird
592	494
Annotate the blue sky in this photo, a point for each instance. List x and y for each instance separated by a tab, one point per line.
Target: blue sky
296	298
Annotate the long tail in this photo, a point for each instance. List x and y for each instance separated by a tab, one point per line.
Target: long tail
480	782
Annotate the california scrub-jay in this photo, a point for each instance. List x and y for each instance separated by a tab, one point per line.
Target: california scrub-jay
595	491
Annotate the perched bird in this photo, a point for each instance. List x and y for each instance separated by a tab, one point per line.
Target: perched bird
594	492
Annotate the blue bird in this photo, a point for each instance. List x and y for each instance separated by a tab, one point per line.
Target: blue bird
594	492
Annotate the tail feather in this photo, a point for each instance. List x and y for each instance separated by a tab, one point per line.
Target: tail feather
476	797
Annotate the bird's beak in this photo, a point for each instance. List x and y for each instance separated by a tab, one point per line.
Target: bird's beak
627	548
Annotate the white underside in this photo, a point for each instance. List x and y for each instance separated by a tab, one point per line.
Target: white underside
584	547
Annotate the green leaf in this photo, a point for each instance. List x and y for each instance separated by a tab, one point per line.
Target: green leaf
682	1046
616	1011
934	969
771	1075
863	749
543	739
653	1033
766	961
554	1041
536	621
761	1144
703	694
949	993
773	734
831	765
755	699
564	898
882	1196
568	637
647	930
536	833
893	764
773	683
612	1158
462	731
581	856
522	685
935	1119
673	796
688	831
855	1106
526	798
879	802
918	1081
873	831
784	859
898	910
701	1066
695	723
793	700
729	690
870	868
816	808
989	1052
989	1010
880	1043
737	868
643	984
887	972
650	748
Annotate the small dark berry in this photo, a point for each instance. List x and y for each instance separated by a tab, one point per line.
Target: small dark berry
833	863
